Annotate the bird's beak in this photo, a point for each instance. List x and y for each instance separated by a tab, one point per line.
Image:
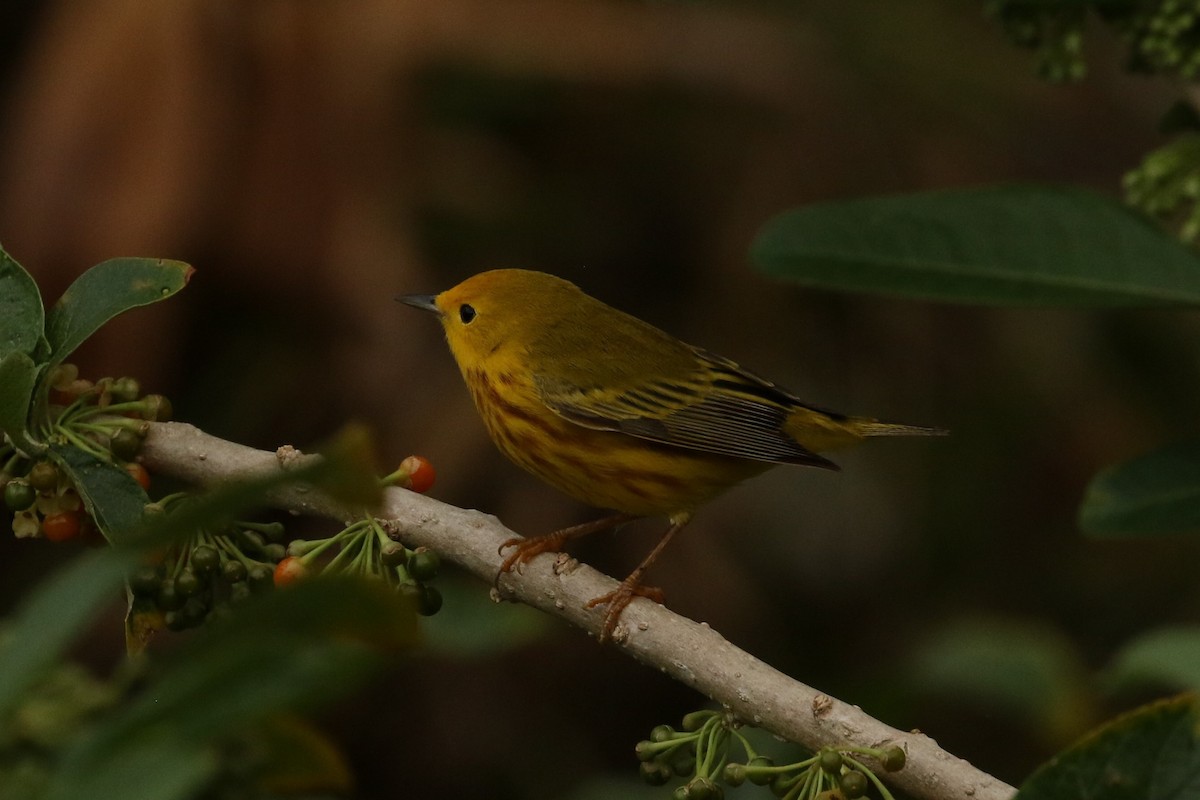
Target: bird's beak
425	302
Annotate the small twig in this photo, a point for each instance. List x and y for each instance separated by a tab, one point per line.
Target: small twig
690	652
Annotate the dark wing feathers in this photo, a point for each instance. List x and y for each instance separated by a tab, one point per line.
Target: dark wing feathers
721	409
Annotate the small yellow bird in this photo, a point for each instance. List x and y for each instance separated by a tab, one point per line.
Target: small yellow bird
619	414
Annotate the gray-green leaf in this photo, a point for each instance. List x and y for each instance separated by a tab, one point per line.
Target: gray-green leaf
106	290
1158	493
22	318
1028	245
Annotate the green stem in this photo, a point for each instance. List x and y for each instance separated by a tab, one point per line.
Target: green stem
711	733
111	408
83	444
345	554
745	743
883	790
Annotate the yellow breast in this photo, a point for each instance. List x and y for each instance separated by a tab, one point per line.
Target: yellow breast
601	468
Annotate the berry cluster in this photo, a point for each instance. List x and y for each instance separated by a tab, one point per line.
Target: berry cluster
1167	185
1163	35
702	750
1054	31
216	569
107	419
364	548
209	572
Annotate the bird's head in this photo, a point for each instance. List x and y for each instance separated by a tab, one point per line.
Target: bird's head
494	312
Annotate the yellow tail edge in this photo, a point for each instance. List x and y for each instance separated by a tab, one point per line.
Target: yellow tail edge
871	427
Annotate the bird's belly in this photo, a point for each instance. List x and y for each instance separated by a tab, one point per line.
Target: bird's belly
604	468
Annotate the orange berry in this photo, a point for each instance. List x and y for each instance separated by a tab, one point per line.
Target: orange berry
289	570
139	474
421	474
61	527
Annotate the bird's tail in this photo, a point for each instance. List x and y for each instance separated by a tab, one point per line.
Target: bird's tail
864	426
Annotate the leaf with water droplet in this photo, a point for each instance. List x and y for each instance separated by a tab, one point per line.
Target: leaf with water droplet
106	290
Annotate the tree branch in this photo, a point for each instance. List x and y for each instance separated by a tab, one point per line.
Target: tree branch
690	652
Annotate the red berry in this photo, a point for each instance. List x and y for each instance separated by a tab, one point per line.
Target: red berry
420	474
61	527
139	474
289	570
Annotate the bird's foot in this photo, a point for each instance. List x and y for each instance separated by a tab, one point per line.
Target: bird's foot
525	550
618	599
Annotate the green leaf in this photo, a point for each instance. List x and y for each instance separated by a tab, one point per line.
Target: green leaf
153	765
110	494
22	319
286	650
54	613
106	290
1158	493
1152	752
18	375
1167	657
1031	674
1028	245
50	617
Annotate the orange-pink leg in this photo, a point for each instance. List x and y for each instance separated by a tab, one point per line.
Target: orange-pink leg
632	587
527	549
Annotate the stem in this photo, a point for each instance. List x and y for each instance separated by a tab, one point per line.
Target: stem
344	555
883	790
83	444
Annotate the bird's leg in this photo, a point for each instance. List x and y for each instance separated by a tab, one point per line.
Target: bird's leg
526	549
632	587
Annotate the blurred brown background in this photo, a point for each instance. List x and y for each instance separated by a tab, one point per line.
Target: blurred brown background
314	159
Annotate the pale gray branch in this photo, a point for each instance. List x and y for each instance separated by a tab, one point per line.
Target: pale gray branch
690	652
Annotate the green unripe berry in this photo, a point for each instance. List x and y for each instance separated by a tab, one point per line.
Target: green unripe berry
830	761
662	733
239	591
681	793
893	759
704	789
430	601
734	774
853	784
654	773
393	554
756	770
205	559
233	571
251	540
125	389
169	597
274	531
261	577
194	611
43	477
157	408
423	565
18	495
695	720
145	581
125	444
645	750
274	551
188	583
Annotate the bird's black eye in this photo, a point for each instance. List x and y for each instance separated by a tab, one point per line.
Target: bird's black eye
466	314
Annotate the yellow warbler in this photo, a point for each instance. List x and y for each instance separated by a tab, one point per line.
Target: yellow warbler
619	414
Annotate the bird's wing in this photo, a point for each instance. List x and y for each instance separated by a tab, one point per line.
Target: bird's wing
719	409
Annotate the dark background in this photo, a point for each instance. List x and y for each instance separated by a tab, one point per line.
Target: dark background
314	159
